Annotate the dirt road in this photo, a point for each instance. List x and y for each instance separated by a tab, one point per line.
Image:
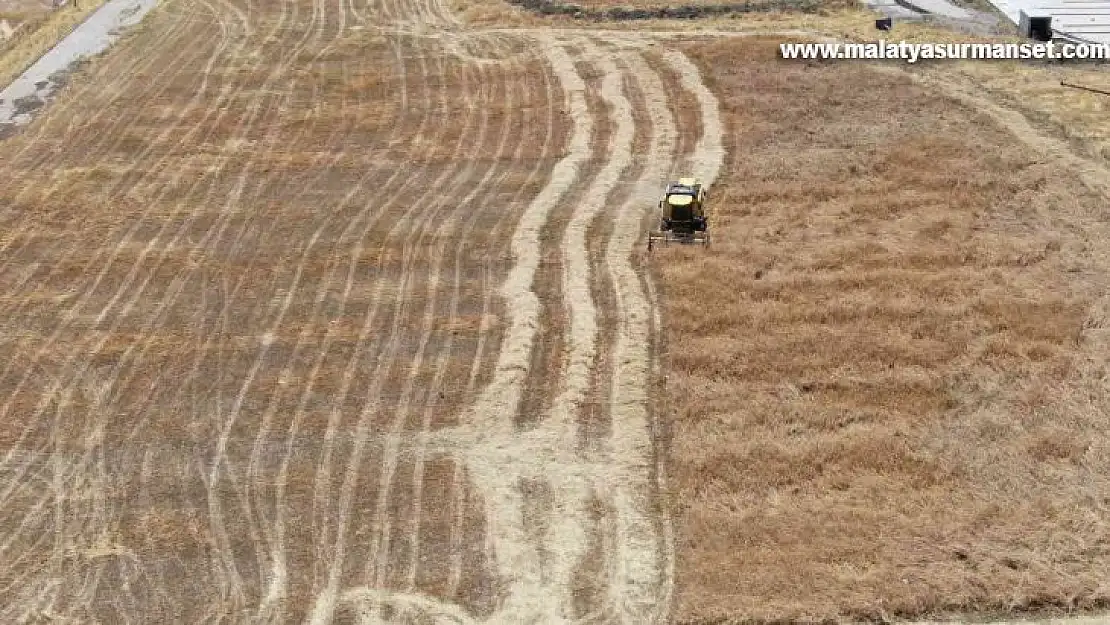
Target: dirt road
333	311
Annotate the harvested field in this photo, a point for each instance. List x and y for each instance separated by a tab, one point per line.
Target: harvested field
337	312
887	379
330	312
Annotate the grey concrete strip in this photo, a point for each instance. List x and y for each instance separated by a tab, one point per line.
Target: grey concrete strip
31	91
890	8
941	7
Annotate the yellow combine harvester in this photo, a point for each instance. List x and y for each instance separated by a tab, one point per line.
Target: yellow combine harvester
682	214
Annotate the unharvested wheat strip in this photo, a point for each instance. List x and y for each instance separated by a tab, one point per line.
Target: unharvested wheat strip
326	598
1091	173
635	587
493	413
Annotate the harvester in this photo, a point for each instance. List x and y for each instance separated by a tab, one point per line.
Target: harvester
682	214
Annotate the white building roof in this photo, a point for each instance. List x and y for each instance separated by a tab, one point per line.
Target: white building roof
1088	20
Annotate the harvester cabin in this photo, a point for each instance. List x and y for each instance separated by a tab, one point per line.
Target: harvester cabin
683	201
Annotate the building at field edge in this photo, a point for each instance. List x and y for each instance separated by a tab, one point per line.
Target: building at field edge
1076	20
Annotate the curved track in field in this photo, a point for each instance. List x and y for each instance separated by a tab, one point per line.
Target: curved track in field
330	311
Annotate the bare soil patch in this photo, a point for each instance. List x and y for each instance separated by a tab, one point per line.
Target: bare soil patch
887	392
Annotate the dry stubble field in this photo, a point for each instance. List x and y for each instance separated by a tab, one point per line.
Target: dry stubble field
334	312
887	379
337	314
